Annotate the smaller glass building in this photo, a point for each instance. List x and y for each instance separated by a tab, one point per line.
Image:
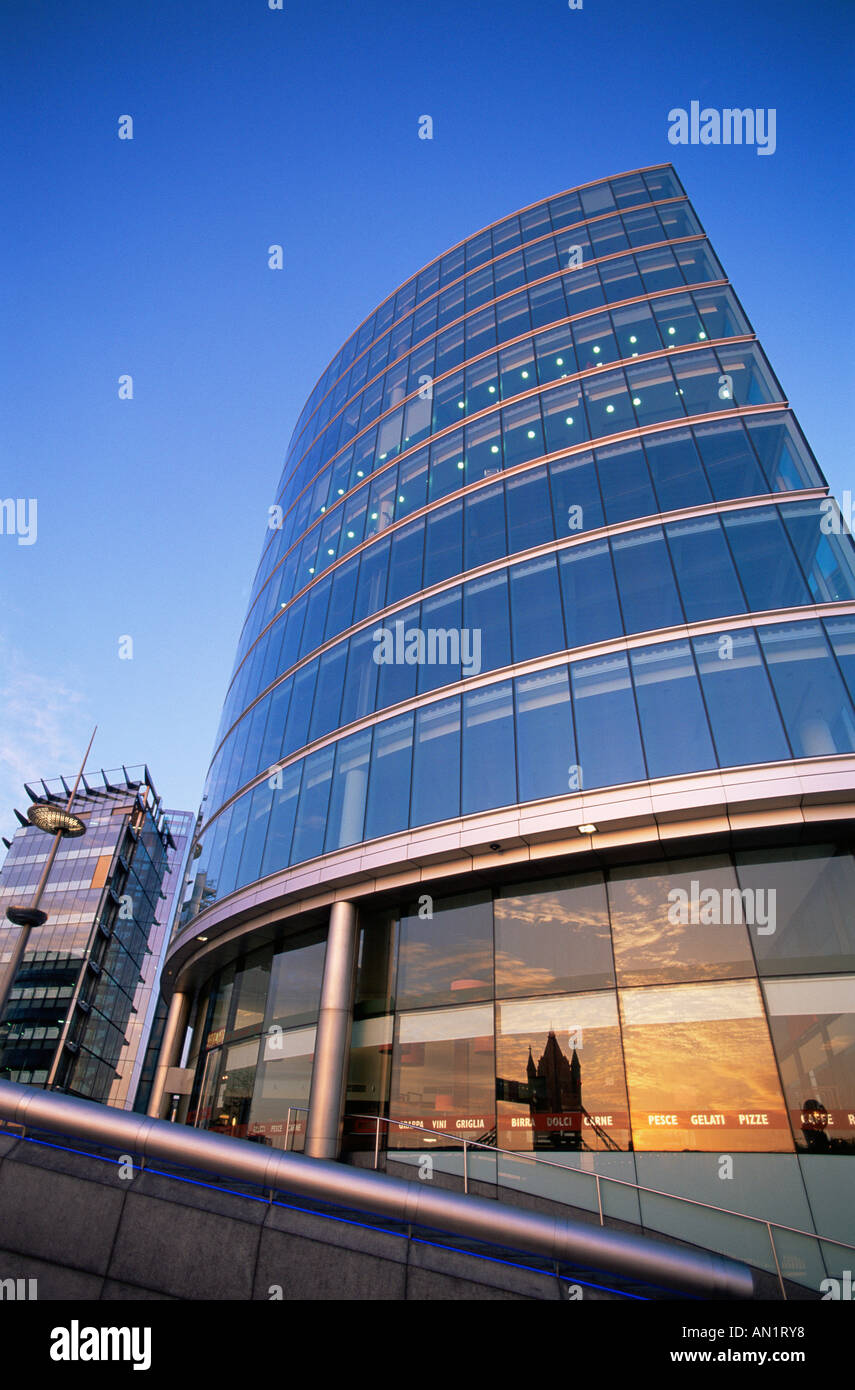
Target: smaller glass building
77	1015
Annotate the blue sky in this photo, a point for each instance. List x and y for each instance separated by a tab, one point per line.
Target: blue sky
300	127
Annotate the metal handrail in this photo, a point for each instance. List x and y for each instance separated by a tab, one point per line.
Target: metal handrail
598	1178
405	1203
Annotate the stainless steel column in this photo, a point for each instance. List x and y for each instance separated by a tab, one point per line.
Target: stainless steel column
332	1048
170	1049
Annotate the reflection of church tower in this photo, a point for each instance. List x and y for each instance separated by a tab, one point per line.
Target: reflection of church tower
556	1091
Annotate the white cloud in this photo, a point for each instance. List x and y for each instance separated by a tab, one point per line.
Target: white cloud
40	732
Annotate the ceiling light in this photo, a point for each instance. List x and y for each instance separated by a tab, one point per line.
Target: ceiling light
587	830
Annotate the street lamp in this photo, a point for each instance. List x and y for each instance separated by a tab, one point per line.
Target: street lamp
44	815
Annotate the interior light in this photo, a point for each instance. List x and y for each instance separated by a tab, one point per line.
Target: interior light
702	335
596	349
461	405
460	463
492	390
494	448
359	473
587	830
382	456
559	361
350	535
311	569
341	492
331	552
610	410
525	376
636	400
569	420
633	339
531	434
323	509
373	516
401	498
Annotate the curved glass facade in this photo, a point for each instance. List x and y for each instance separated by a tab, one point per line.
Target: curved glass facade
546	528
470	490
585	1012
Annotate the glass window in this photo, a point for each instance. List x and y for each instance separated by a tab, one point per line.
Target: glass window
841	634
397	678
529	510
312	813
678	320
286	788
536	616
443	1075
233	846
275	729
251	984
767	567
283	1081
813	1033
648	593
553	937
608	236
815	706
259	815
522	432
371	590
412	484
576	501
607	737
595	341
625	482
635	329
295	980
643	227
782	450
591	610
555	355
705	573
516	368
621	280
810	889
446	465
389	784
826	559
564	420
544	723
673	720
484	537
489	766
444	544
340	611
683	919
360	681
482	384
436	763
700	1070
753	383
608	404
745	722
559	1075
445	647
658	269
331	669
349	787
485	612
731	464
297	728
405	566
448	951
677	472
653	393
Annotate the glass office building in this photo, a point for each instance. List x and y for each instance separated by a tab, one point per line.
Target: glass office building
81	1004
547	673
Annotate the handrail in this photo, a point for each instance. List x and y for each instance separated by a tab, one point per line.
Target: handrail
410	1204
598	1178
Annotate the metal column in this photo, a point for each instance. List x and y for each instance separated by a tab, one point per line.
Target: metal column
332	1048
170	1049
